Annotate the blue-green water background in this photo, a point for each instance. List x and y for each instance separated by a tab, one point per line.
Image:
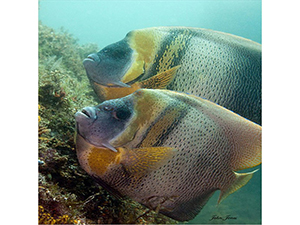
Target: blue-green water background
105	22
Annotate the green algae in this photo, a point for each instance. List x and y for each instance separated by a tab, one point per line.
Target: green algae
66	192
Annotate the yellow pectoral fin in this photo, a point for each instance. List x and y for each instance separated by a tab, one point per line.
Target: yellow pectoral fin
240	180
115	92
161	80
139	162
100	159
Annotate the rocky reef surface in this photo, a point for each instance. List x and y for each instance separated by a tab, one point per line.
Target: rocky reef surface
67	195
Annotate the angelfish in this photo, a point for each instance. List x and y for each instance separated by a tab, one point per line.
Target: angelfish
223	68
169	151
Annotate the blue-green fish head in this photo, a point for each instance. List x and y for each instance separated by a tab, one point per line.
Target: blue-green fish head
109	65
100	124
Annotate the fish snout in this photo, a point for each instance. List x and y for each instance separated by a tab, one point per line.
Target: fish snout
85	119
91	58
86	114
89	112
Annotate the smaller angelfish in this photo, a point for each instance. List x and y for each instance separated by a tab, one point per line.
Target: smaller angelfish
167	150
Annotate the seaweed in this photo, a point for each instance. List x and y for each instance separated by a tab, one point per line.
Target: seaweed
67	195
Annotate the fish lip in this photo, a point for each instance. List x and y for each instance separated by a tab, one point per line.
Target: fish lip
86	115
87	60
91	59
79	115
87	112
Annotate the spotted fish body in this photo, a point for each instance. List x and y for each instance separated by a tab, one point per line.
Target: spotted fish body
220	67
173	150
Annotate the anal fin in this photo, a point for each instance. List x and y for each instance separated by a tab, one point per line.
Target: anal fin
241	179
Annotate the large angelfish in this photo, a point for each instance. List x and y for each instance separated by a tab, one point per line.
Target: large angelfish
220	67
168	151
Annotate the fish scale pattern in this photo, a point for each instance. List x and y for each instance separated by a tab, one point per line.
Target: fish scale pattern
220	67
197	156
200	146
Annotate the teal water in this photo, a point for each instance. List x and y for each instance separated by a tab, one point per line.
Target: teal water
105	22
241	207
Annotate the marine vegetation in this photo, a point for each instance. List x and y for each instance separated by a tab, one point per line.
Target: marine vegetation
67	194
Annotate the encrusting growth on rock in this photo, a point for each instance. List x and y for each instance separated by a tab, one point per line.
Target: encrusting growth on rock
67	195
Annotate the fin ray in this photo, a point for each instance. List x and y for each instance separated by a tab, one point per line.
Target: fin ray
140	161
120	84
161	80
109	146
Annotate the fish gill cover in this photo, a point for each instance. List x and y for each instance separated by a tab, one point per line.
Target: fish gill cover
67	195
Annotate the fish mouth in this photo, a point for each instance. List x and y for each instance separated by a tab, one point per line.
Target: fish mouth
88	59
82	114
86	113
81	117
91	58
84	118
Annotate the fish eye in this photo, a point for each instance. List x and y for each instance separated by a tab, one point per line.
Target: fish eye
107	108
122	114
